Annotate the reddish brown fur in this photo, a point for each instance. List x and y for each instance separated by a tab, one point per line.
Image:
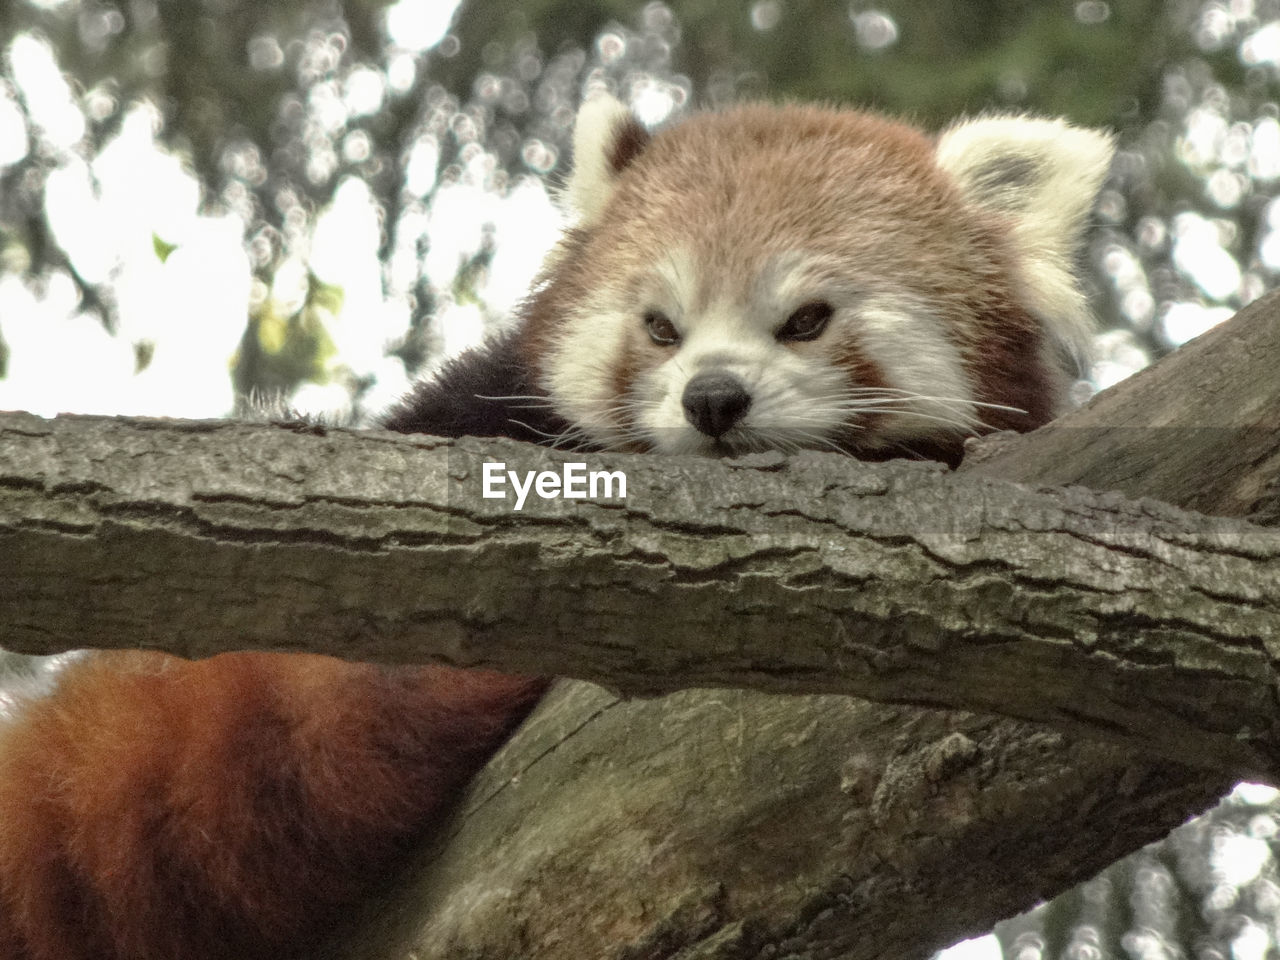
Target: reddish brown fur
737	187
558	287
161	809
856	185
862	373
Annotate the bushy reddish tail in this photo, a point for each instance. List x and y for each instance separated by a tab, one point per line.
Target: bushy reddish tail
232	807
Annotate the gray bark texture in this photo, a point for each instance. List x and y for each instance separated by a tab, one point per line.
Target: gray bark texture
724	823
898	582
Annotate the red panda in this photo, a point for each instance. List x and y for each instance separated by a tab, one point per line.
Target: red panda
758	278
787	277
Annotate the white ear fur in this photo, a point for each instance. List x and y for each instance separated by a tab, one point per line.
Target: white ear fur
1044	176
595	133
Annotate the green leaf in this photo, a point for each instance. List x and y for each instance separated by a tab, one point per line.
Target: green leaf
162	247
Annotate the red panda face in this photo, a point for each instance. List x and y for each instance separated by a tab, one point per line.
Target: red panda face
781	278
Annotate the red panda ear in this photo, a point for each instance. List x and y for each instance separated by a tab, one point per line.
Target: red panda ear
606	138
1042	176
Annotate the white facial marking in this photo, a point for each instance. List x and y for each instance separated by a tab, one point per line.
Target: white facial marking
916	356
800	398
794	399
579	369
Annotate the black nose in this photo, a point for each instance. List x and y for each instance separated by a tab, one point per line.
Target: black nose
714	401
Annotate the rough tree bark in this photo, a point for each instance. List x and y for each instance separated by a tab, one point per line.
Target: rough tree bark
899	582
895	810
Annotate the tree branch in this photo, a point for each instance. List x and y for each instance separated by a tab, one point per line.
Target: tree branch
729	823
899	582
1200	429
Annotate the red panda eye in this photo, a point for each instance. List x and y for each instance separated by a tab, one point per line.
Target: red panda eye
807	322
661	329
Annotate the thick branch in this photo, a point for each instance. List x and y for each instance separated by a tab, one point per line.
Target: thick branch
736	825
896	581
1200	429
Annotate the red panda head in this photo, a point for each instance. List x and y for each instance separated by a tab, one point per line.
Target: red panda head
786	277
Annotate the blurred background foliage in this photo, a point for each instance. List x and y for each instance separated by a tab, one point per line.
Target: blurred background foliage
157	156
317	199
